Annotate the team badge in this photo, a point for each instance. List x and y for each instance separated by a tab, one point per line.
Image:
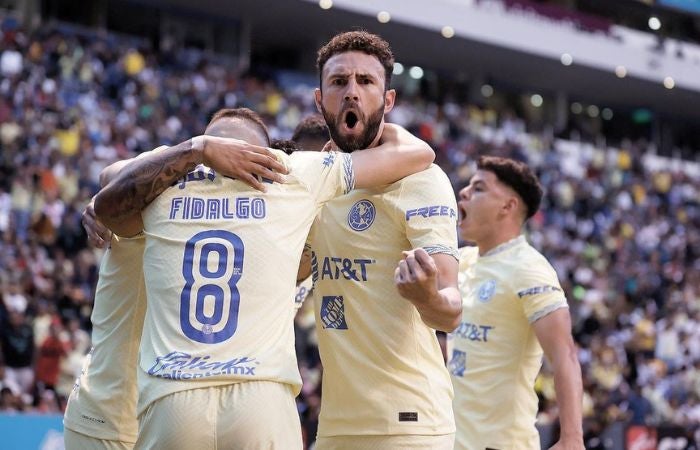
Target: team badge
361	215
486	290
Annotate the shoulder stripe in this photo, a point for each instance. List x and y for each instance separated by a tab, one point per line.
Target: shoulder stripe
434	249
547	310
349	172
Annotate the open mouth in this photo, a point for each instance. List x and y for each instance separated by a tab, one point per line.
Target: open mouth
351	119
462	212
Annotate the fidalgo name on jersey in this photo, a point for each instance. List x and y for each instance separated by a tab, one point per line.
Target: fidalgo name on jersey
196	208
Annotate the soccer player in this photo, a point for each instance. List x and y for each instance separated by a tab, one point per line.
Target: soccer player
217	367
385	385
101	410
514	308
311	133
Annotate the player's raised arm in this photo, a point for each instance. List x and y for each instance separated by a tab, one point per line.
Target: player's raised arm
119	204
398	154
430	283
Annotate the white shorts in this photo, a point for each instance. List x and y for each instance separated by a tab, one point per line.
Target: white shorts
251	415
394	442
79	441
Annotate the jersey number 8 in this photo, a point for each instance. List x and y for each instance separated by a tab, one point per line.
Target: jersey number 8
218	284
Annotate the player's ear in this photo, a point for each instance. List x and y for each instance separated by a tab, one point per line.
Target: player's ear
389	99
512	205
318	98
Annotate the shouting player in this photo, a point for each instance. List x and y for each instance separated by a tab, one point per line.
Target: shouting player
514	308
385	385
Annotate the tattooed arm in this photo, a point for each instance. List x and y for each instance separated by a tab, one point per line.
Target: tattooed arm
119	204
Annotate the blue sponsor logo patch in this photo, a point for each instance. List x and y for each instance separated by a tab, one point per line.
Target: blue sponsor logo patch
333	312
458	363
361	215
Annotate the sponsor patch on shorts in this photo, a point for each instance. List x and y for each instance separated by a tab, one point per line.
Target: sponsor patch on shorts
408	417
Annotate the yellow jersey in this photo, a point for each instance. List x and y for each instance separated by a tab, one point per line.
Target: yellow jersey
383	372
494	355
103	401
220	265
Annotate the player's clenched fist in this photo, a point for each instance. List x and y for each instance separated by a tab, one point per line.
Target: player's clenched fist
416	276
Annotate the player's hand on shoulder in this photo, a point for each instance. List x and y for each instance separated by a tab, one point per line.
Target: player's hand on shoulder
416	276
240	160
571	444
98	234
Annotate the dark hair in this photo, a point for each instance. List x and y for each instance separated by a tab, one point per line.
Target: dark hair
518	176
285	145
358	41
244	114
311	127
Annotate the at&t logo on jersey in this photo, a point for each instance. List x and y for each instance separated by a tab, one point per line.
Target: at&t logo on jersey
431	211
361	215
336	268
333	312
473	331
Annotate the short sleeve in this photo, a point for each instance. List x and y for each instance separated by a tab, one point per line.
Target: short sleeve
325	174
429	212
538	290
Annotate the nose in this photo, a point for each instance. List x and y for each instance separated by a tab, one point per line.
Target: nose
351	91
465	193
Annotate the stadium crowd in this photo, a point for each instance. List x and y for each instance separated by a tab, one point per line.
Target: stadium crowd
625	239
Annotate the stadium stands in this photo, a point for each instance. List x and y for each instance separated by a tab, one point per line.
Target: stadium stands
621	227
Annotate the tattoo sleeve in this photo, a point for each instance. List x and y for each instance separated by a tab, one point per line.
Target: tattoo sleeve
143	179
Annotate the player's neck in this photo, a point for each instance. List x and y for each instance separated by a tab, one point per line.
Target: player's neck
496	239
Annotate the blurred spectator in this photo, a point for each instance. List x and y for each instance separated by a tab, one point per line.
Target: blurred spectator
18	351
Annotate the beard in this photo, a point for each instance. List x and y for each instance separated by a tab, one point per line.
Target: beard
349	144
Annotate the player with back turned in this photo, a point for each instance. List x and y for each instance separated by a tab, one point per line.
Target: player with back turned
212	330
101	410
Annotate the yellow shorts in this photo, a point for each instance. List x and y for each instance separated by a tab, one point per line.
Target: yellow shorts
251	415
394	442
79	441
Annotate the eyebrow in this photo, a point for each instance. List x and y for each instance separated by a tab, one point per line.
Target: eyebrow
343	73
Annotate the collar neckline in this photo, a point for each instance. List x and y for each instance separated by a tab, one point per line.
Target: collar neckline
504	246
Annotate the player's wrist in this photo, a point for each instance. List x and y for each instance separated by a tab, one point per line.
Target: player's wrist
198	145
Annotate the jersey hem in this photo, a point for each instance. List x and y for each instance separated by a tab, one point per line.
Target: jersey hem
97	433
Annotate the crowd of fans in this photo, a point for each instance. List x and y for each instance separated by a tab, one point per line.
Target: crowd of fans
625	239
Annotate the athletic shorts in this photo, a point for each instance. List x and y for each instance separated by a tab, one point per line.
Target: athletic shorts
251	415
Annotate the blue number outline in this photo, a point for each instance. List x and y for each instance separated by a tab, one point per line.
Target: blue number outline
211	289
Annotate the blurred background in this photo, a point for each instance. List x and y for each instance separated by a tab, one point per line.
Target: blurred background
602	98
